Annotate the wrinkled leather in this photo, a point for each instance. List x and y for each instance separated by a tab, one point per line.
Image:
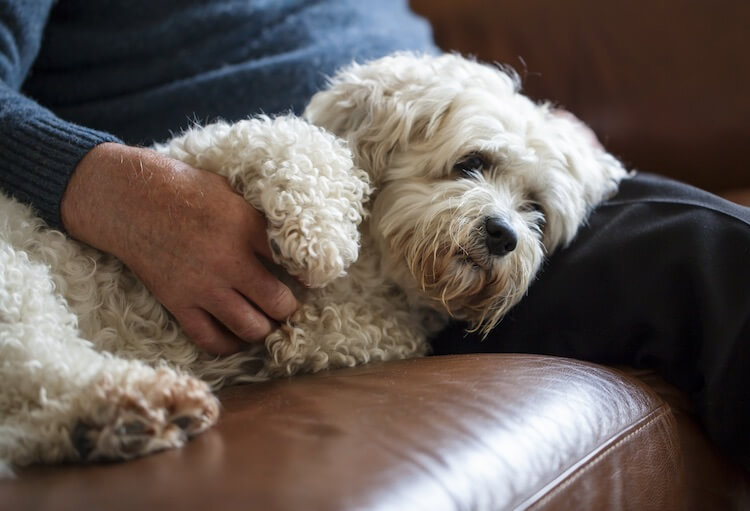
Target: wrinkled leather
711	481
444	433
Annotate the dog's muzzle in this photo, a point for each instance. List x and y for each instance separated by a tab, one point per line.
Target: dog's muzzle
501	237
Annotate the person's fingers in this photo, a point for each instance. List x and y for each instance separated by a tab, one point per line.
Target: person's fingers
206	333
233	311
268	293
257	226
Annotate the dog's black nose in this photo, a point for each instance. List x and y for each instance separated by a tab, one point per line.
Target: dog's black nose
501	238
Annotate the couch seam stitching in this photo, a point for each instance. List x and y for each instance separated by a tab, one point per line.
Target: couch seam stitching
656	414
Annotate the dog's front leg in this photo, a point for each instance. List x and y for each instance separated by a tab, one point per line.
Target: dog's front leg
301	177
348	323
60	398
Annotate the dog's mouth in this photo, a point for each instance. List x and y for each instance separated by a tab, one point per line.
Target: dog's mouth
475	251
475	261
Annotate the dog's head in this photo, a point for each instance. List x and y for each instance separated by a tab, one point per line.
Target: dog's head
474	182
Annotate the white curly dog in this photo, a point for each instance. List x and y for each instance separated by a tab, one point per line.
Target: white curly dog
417	189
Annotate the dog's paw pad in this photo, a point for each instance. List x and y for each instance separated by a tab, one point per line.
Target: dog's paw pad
135	427
183	422
81	440
144	415
131	438
193	423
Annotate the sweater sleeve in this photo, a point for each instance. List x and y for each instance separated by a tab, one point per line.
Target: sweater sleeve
38	150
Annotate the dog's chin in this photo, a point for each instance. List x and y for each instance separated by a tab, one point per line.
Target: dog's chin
474	286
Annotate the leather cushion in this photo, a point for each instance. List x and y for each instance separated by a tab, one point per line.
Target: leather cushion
453	432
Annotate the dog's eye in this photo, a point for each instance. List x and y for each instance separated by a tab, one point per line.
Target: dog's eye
534	206
470	166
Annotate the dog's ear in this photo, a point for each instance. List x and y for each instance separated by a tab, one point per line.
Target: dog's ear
578	171
377	109
599	172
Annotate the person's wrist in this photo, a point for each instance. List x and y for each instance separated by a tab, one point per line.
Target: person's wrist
98	201
75	210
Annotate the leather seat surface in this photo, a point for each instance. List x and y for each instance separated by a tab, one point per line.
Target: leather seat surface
440	433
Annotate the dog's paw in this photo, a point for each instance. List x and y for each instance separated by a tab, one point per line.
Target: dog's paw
313	196
316	256
155	410
314	230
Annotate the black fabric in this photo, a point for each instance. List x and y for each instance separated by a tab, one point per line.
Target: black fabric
659	278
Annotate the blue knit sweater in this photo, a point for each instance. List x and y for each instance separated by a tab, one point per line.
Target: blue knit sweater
76	73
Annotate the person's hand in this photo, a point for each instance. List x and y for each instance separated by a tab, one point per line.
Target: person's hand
187	235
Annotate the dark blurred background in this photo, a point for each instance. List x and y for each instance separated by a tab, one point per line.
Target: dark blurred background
663	83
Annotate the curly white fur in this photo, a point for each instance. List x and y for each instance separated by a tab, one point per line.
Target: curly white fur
92	367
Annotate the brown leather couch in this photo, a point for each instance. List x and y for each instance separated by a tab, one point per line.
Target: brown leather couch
664	84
